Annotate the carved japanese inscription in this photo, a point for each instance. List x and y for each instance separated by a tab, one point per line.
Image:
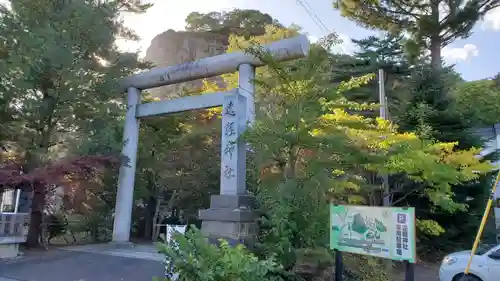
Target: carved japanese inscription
232	159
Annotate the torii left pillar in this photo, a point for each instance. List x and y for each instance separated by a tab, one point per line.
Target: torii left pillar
126	180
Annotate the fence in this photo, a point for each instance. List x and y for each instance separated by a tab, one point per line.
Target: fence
14	225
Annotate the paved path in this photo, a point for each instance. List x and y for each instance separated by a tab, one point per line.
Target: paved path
423	272
108	263
64	265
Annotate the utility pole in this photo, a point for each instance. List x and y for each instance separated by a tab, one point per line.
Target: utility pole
381	95
496	195
386	198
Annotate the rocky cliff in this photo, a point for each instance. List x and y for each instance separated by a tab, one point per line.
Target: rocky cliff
175	47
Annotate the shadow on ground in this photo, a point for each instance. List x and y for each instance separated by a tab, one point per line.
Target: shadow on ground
62	265
423	272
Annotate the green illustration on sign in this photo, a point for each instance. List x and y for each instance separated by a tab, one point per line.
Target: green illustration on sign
377	231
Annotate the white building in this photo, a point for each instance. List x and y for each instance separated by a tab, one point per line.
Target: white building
492	144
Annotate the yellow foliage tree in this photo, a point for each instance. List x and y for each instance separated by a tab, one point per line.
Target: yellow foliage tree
329	129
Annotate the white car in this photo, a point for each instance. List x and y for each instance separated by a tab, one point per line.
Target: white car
485	265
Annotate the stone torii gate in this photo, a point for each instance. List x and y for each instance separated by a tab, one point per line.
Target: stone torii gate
230	215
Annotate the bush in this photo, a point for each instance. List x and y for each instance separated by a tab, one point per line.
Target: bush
195	259
314	264
318	265
365	268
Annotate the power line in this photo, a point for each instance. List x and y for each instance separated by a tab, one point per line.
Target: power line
313	15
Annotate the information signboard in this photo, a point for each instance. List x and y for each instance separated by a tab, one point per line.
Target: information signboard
384	232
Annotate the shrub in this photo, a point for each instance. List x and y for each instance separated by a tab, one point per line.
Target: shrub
365	268
195	259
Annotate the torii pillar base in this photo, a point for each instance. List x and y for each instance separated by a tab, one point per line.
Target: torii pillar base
232	218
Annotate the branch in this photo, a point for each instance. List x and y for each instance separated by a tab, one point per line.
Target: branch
466	26
54	143
405	12
406	195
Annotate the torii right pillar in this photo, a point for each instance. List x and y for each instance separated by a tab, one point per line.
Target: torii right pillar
231	215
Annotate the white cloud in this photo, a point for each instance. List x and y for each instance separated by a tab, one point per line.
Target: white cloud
492	20
454	55
346	47
450	54
312	38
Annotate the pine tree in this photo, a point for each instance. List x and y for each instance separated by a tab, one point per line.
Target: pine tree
386	53
430	110
383	50
61	67
431	25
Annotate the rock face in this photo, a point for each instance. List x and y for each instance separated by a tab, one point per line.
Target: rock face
176	47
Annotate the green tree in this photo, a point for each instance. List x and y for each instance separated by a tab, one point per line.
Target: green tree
431	25
434	112
479	101
496	78
430	110
386	53
8	127
383	50
241	22
312	145
413	106
62	75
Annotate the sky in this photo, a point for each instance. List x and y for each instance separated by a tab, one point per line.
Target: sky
475	57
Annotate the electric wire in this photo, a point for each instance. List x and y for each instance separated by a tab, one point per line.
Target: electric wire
317	20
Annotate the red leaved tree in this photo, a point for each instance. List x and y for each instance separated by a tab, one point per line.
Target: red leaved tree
42	181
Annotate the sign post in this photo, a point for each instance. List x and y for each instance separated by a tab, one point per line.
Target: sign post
339	267
384	232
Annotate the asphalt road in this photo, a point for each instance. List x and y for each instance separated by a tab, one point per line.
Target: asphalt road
63	265
59	265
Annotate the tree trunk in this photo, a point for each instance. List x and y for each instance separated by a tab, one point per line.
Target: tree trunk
435	44
36	218
34	233
148	218
35	158
435	48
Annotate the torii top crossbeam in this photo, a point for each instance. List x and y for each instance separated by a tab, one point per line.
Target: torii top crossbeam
284	50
